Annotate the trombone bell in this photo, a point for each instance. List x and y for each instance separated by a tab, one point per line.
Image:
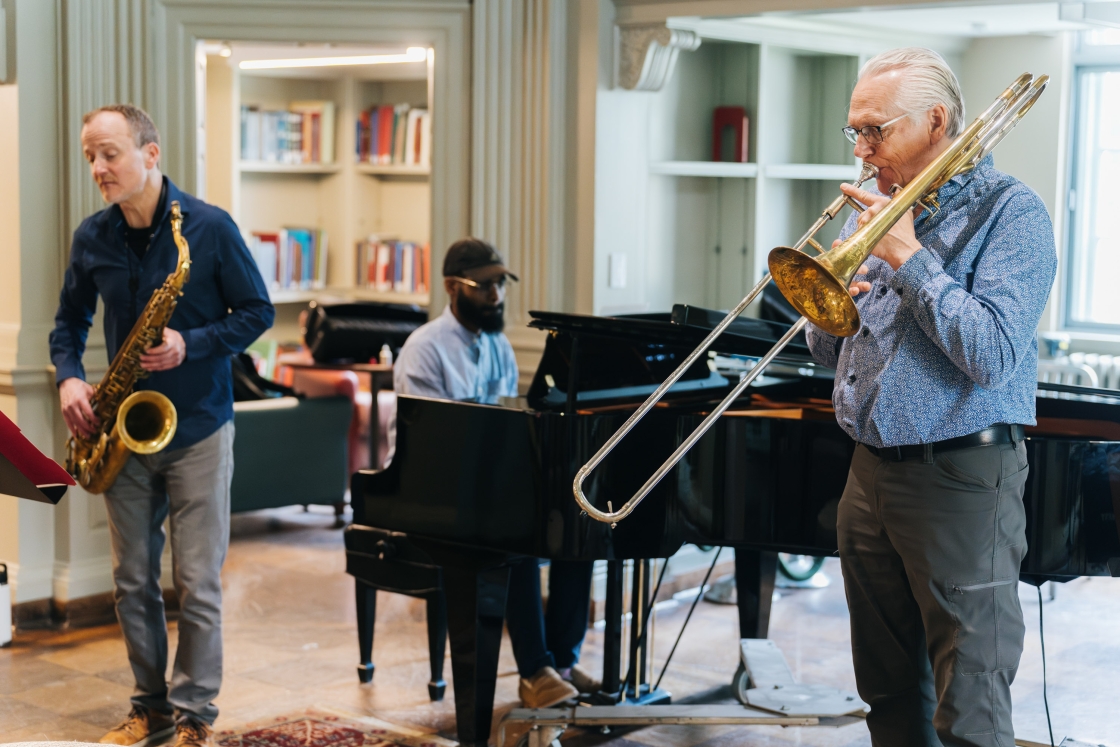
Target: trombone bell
818	288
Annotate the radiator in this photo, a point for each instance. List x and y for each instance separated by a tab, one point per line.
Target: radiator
1081	369
1107	368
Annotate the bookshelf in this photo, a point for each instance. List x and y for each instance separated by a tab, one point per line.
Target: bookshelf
348	200
697	231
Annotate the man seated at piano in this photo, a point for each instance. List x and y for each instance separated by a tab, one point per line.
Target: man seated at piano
463	355
936	388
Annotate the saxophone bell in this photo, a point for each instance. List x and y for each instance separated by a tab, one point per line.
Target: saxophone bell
146	422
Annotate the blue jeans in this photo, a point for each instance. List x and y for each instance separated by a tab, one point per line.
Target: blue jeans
553	638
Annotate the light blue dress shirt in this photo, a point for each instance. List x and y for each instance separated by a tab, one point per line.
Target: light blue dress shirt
445	360
948	343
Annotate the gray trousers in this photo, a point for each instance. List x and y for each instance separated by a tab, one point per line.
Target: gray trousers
191	486
930	551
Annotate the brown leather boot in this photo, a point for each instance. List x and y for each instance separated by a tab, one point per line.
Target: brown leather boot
190	732
545	688
583	680
142	726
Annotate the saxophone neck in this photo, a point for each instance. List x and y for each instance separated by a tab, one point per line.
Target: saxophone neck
183	269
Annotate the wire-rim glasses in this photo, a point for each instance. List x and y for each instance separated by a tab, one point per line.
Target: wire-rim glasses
872	134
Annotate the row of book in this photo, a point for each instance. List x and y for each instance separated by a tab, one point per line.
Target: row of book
401	266
394	135
293	258
302	134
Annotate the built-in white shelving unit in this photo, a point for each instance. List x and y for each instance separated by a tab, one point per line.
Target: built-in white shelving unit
372	169
266	167
705	168
285	296
348	199
814	171
698	231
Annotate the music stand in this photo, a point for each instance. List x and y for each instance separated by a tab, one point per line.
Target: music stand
26	472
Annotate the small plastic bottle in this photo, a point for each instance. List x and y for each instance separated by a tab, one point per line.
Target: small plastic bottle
5	608
386	357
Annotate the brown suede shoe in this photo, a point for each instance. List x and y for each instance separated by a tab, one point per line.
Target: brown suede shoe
191	732
142	727
584	681
545	688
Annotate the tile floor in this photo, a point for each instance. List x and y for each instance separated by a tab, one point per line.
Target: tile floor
290	645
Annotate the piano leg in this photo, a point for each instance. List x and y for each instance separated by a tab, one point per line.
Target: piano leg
612	631
754	583
366	598
437	643
476	605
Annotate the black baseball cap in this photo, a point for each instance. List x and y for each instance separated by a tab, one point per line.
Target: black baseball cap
471	254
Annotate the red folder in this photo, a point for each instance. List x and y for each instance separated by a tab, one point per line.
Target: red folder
26	472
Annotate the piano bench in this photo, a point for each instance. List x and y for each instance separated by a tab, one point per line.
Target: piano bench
388	561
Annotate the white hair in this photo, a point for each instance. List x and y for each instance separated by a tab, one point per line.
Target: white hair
929	82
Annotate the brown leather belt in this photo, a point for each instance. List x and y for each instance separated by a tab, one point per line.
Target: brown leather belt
1001	433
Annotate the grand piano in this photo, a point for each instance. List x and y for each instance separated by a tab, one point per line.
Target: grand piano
473	486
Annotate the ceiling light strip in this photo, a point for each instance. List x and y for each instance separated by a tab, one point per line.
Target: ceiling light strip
413	54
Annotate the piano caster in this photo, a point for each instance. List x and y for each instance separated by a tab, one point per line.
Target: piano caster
740	683
365	674
436	690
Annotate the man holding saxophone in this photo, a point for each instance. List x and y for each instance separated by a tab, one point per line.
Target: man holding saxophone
123	254
936	388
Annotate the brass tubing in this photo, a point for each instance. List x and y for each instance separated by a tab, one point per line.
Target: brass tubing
611	516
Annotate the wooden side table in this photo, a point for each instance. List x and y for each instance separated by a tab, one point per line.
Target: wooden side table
380	377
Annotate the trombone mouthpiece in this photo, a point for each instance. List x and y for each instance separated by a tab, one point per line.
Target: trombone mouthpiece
869	171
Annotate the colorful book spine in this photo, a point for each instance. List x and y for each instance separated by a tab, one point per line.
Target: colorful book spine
393	266
303	134
291	259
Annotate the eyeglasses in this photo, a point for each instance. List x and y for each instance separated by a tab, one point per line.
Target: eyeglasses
872	134
498	284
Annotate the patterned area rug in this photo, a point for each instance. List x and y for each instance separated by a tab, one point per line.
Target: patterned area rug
320	728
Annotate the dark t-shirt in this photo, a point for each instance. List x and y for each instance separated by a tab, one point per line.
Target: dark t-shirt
139	239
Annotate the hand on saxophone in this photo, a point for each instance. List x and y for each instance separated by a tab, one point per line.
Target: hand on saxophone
74	395
167	355
900	244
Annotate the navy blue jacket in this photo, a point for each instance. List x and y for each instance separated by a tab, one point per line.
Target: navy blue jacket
224	306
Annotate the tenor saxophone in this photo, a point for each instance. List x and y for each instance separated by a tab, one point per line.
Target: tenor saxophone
143	422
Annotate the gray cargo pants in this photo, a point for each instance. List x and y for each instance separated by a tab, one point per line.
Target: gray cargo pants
930	551
192	486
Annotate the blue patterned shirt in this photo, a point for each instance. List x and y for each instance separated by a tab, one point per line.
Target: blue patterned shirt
445	360
948	342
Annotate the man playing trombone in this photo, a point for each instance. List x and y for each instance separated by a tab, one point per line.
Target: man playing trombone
936	387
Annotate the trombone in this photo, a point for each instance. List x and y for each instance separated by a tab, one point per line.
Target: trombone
818	286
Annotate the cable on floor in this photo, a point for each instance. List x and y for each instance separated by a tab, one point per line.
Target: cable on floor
700	593
1042	641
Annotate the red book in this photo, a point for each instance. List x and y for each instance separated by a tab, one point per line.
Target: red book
26	472
385	134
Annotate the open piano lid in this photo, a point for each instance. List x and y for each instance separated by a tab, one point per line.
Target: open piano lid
684	326
624	358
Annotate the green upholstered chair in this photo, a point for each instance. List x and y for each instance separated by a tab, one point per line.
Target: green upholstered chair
290	451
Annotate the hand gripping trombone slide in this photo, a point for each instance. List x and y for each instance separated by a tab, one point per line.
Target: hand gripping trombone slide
818	287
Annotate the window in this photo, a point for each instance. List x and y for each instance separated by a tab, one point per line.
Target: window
1092	300
1094	201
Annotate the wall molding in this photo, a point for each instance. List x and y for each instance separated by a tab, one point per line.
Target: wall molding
81	578
646	55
